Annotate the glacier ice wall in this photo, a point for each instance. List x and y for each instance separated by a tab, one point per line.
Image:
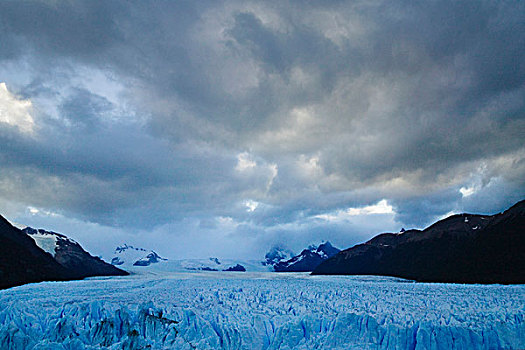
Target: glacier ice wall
261	312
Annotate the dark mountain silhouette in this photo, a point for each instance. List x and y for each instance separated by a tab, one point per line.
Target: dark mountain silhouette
237	268
463	248
22	261
72	256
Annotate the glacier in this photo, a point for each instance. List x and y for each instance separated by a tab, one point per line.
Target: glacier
260	310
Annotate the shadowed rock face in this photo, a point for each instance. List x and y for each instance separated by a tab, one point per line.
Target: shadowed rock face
237	268
463	248
308	260
22	261
151	258
72	256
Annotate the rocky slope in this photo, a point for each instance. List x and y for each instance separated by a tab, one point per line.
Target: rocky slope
31	255
22	261
463	248
71	255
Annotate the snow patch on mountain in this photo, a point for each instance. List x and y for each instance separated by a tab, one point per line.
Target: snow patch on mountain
46	240
47	243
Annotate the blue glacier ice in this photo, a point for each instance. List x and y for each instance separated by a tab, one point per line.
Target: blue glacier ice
260	311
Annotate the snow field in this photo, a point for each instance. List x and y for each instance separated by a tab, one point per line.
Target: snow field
46	242
214	310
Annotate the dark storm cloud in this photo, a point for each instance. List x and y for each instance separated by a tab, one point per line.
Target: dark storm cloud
301	108
79	29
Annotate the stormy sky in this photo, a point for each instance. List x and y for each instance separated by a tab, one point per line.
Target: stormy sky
221	128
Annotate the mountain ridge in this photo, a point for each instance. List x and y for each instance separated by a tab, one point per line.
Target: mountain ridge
463	248
308	259
71	255
23	261
130	255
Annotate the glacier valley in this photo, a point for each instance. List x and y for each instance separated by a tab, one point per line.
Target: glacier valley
260	310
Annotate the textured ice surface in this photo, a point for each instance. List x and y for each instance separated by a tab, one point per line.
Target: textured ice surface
221	310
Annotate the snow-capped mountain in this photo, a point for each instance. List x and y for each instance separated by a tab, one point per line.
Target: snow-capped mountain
140	260
48	241
308	260
22	261
463	248
276	255
128	255
68	253
151	258
37	255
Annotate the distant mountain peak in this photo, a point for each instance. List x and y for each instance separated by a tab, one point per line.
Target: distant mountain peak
130	255
277	254
215	260
151	258
308	259
126	247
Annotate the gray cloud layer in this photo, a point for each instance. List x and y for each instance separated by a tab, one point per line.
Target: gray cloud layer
150	113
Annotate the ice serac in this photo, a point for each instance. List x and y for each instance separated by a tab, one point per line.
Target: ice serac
71	255
308	260
463	248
